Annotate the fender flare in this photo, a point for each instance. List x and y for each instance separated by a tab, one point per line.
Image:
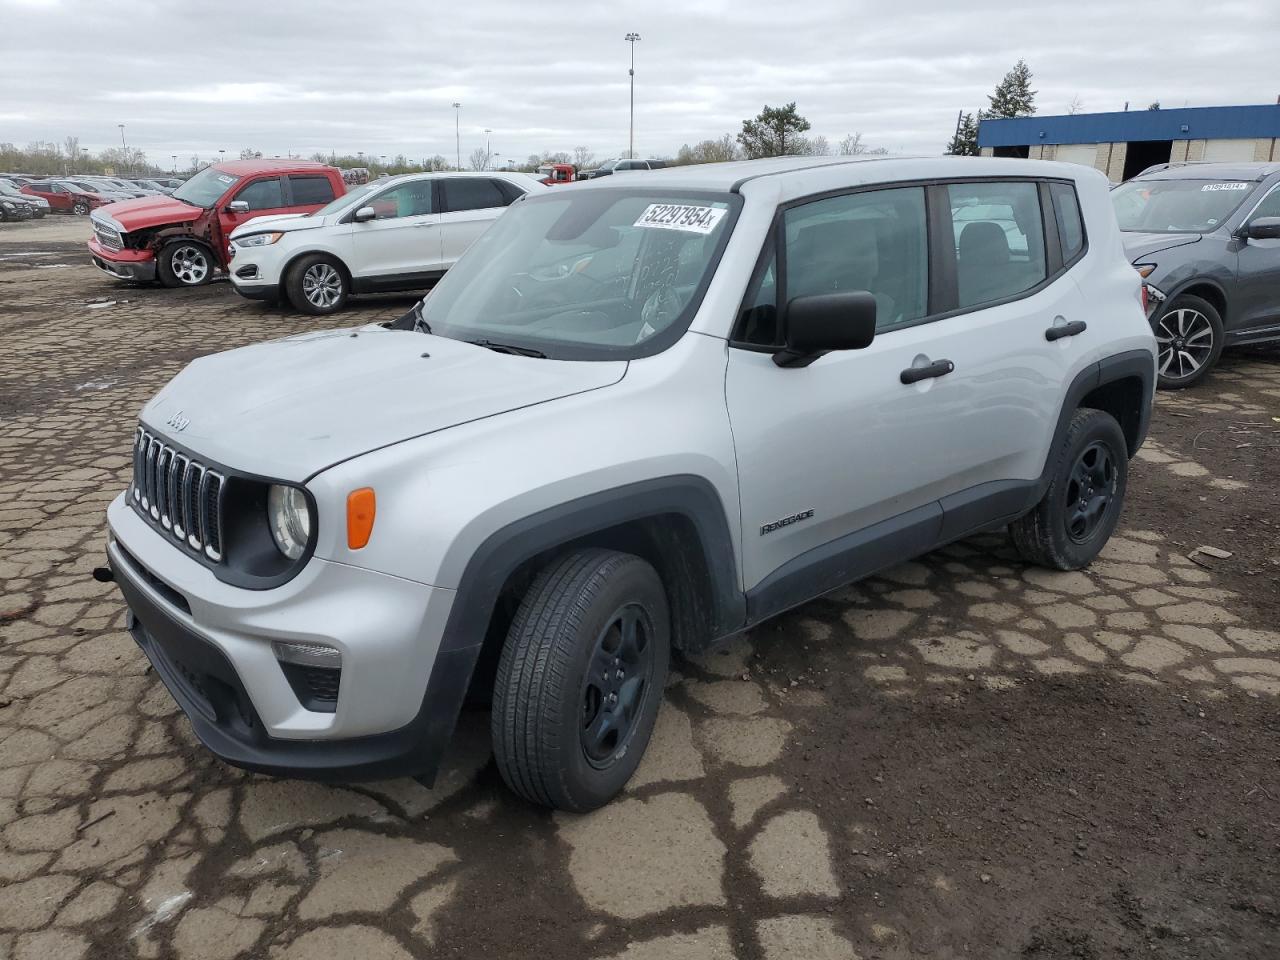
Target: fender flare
505	550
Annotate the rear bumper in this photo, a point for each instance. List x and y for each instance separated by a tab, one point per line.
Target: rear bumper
136	265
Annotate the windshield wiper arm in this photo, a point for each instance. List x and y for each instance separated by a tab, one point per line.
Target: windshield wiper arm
508	348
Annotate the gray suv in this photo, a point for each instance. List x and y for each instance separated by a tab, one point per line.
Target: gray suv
1206	239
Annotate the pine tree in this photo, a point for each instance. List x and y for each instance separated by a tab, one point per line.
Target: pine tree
965	142
775	132
1013	96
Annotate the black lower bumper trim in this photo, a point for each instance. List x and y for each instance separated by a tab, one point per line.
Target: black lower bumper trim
257	291
143	271
211	694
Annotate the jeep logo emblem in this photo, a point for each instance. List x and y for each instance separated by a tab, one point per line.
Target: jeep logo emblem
178	422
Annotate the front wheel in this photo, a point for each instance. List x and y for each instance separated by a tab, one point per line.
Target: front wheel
317	285
185	263
81	208
1189	335
580	679
1078	513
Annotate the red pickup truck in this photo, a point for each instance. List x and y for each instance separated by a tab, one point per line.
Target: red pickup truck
181	239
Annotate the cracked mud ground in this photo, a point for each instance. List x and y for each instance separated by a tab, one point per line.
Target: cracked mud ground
962	757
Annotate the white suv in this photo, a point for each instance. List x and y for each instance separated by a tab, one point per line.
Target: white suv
640	414
402	233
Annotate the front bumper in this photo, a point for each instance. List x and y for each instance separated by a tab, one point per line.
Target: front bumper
211	645
255	272
136	265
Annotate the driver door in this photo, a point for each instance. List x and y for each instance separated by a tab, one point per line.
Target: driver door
402	242
264	196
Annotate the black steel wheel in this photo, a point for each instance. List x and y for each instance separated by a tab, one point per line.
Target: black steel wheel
1080	509
580	679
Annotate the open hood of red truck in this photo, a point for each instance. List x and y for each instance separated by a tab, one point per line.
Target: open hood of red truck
149	212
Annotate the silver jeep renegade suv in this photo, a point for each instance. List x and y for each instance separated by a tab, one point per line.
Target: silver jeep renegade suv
643	413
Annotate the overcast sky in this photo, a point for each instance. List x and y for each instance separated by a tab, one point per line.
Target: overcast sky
293	75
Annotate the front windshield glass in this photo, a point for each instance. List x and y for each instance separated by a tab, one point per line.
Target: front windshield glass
9	190
595	273
1177	206
204	189
347	199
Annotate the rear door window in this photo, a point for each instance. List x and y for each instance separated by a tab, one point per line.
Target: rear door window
1066	210
309	191
999	237
471	193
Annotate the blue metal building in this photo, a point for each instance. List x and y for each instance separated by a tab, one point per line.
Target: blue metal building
1124	143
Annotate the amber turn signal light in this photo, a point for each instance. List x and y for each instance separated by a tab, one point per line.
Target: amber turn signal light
361	507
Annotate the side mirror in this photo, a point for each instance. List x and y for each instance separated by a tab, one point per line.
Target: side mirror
1264	228
826	321
364	214
238	206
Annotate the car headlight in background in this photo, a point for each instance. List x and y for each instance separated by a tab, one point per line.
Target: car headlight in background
289	518
257	240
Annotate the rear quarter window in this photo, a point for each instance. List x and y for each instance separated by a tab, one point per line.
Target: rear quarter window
1066	210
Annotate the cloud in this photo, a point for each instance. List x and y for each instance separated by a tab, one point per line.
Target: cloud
301	76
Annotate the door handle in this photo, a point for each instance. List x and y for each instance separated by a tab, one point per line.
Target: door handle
939	368
1060	330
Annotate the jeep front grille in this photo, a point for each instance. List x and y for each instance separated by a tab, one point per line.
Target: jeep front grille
177	494
108	236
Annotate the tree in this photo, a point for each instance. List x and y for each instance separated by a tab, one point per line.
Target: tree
774	132
817	147
479	159
1154	106
248	153
1013	95
123	158
852	146
1075	106
436	163
709	151
583	158
965	141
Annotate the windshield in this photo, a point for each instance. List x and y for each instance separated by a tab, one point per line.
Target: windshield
352	196
590	274
9	190
204	189
1177	206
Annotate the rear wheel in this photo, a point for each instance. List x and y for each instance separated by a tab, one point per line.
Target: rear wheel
318	285
184	263
580	679
1189	335
80	208
1078	513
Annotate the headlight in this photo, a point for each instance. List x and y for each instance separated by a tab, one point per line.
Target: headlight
257	240
289	518
7	204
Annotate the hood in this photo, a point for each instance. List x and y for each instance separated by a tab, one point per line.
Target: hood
290	408
1139	245
280	221
146	212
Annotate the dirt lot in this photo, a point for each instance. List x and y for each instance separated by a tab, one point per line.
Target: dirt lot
961	758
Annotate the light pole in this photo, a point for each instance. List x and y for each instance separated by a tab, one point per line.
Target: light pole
222	154
124	146
631	38
487	152
175	162
457	130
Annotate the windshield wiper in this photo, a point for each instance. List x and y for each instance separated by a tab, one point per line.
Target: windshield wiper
508	348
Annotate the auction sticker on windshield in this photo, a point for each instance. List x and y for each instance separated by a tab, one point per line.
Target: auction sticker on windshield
680	216
1210	187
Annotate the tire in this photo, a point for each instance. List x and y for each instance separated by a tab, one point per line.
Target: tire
553	739
1182	330
1080	510
80	208
185	263
318	284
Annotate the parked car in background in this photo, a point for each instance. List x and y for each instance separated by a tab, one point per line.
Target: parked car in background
610	167
13	209
602	169
553	173
181	239
401	233
607	434
356	176
1206	239
66	196
39	205
127	188
158	186
101	187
